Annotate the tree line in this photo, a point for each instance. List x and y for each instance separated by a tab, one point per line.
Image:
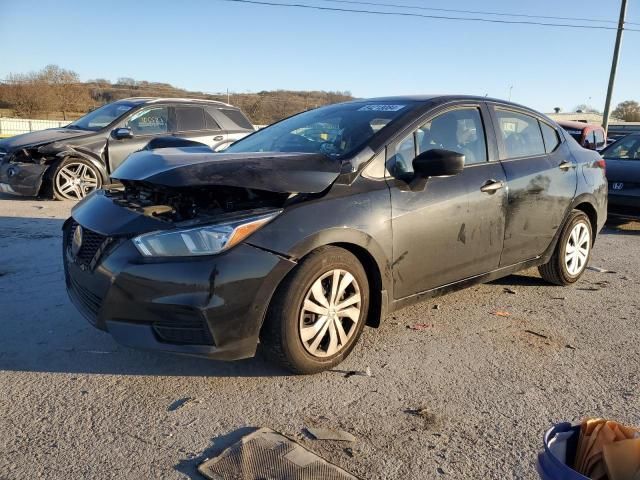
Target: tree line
59	92
55	91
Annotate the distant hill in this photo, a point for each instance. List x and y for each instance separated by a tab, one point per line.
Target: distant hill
54	92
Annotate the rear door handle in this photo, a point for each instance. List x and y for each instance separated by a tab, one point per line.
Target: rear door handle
566	165
218	138
491	186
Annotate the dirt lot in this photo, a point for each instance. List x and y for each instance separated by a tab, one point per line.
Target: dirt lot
73	404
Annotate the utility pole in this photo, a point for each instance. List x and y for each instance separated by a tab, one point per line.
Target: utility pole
228	102
614	66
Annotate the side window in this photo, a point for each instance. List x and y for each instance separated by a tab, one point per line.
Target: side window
458	130
236	119
599	138
551	140
149	121
626	149
520	134
189	118
209	122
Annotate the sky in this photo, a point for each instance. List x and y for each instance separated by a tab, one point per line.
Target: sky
215	45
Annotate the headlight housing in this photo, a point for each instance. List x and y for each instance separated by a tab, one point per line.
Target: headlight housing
202	240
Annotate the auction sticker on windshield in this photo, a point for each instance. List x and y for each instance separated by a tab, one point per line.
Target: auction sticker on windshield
381	108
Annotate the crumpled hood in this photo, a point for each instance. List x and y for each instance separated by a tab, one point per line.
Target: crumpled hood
200	166
41	137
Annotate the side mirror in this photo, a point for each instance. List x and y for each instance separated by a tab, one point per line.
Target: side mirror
438	163
122	133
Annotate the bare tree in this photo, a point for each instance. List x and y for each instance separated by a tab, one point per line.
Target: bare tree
629	111
68	94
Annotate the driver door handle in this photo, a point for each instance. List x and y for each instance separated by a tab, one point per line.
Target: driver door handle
492	186
566	165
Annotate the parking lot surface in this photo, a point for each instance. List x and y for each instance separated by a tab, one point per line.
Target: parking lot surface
456	391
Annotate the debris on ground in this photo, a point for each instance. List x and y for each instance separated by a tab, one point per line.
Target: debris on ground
600	270
531	332
422	412
420	326
436	306
320	433
558	298
501	313
265	453
361	373
509	290
569	346
589	289
181	402
348	451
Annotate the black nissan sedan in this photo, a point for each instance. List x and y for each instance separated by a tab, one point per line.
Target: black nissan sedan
302	233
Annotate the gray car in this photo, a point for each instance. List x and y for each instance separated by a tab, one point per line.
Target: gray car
70	162
623	173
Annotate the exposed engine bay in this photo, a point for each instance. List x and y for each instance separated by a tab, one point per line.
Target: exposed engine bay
188	203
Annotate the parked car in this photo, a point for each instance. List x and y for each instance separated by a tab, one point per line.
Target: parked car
588	135
72	161
297	242
623	174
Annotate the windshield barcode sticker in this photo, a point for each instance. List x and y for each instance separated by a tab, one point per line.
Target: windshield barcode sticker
381	108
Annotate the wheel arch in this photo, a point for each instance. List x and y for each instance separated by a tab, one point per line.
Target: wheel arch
368	252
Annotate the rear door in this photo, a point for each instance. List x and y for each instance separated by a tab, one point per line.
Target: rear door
195	123
541	176
145	124
454	227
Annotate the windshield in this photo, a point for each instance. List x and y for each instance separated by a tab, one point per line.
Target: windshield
336	130
101	117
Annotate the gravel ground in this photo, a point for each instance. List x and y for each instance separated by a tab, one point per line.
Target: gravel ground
74	404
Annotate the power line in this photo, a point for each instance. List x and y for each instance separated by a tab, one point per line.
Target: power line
420	15
476	12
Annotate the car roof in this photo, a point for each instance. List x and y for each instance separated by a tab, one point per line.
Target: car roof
145	100
577	125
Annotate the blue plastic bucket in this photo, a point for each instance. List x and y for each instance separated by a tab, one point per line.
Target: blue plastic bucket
551	468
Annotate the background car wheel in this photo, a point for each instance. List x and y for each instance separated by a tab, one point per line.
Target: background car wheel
74	179
318	313
572	252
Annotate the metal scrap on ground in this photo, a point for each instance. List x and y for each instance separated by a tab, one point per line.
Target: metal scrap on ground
269	454
320	433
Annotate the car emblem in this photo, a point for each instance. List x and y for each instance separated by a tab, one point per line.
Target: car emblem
76	244
617	186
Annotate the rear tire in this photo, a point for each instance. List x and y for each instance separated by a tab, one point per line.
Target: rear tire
572	253
318	312
74	178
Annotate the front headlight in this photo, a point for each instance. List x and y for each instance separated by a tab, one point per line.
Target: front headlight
204	240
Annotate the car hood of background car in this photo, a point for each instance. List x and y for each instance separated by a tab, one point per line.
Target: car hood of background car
200	166
41	137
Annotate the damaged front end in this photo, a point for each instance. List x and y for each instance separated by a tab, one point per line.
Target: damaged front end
22	171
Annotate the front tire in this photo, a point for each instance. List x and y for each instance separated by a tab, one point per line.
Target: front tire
318	313
572	252
74	179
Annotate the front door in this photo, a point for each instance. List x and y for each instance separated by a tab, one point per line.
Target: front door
145	124
453	228
541	175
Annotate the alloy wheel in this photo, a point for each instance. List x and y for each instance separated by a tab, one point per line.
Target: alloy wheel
576	251
75	180
330	313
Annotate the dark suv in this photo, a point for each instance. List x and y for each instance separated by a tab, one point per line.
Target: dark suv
298	235
72	161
